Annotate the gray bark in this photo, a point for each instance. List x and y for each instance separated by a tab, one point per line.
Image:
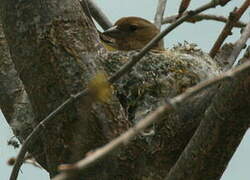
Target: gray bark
56	51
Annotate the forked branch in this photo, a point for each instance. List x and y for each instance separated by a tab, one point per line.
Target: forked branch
126	68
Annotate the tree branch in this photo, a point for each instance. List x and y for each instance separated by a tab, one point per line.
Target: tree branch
246	56
14	101
54	59
221	130
127	67
201	17
12	93
233	18
159	13
98	14
239	45
159	16
69	171
183	6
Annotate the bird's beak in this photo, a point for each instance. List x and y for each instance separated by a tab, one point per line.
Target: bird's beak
112	32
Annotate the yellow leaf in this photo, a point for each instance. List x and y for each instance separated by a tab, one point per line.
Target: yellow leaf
109	47
99	87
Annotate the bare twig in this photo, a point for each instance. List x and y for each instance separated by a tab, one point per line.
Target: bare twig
98	15
159	16
33	162
201	17
183	6
222	56
86	10
239	45
246	56
216	128
159	13
123	139
36	132
27	159
141	125
126	68
233	17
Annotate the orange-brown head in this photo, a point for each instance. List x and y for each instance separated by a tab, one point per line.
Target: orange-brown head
131	33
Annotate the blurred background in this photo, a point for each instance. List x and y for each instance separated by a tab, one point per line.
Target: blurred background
202	33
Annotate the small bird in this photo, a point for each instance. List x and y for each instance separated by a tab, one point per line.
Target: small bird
130	33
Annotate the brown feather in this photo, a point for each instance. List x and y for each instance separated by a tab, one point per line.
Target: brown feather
131	33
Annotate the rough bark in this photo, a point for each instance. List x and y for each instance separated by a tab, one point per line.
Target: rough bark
56	51
220	132
14	101
13	98
157	77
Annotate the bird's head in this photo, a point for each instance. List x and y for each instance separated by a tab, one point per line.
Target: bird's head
131	33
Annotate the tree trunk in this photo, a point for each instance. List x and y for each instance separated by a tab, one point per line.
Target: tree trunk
54	48
56	51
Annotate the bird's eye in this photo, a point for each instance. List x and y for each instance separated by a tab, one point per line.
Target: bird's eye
133	27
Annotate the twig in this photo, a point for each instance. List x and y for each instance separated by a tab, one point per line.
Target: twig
222	56
183	6
98	15
159	17
90	9
246	56
122	139
159	13
27	159
36	132
239	45
86	10
201	17
33	162
126	68
233	17
217	122
141	125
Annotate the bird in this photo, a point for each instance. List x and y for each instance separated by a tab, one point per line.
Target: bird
130	33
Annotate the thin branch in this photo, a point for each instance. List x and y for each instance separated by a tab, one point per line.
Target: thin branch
246	56
201	17
239	45
98	15
36	132
126	68
183	6
159	17
108	148
233	17
215	131
86	10
159	13
73	169
222	56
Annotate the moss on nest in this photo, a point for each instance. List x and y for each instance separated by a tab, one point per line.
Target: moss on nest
158	76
